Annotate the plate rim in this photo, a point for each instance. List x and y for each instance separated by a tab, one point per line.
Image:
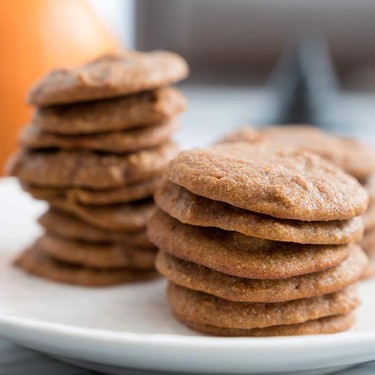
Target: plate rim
342	339
147	351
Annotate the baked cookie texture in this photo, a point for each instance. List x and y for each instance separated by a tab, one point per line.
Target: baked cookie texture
259	240
86	169
128	193
108	77
137	111
113	142
279	182
193	209
71	227
353	156
95	151
368	241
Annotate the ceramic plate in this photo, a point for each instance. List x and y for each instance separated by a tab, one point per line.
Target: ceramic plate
130	327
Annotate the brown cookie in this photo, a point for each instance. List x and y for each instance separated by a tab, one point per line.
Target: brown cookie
200	278
32	137
127	112
108	77
36	262
89	169
370	269
128	193
235	254
73	228
280	182
192	209
369	217
101	256
368	242
126	217
352	155
331	324
204	308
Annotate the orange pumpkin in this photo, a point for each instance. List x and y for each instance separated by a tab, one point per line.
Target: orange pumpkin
35	37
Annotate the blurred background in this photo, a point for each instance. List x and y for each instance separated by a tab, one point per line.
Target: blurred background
252	62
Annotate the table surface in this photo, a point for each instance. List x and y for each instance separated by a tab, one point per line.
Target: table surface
213	111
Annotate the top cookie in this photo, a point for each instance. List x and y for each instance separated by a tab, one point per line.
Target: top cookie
276	181
352	155
109	76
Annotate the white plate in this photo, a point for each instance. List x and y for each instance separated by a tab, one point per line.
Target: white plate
115	328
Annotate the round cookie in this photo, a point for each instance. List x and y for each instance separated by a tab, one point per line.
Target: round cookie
109	76
370	269
36	262
126	217
369	215
280	182
88	169
101	256
368	242
353	156
235	254
331	324
192	209
71	227
203	279
125	194
203	308
127	112
119	142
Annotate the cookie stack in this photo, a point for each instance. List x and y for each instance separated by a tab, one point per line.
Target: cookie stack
258	240
351	155
368	241
95	150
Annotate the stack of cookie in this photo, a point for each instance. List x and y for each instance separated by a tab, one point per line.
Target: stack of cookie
95	150
258	240
352	155
368	241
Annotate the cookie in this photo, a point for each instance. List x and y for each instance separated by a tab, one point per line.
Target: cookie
331	324
36	262
245	134
117	114
370	269
89	169
280	182
126	217
369	215
119	142
353	156
203	308
71	227
368	242
128	193
108	77
200	278
100	256
195	210
235	254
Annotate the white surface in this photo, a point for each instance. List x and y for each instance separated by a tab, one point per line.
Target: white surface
131	326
